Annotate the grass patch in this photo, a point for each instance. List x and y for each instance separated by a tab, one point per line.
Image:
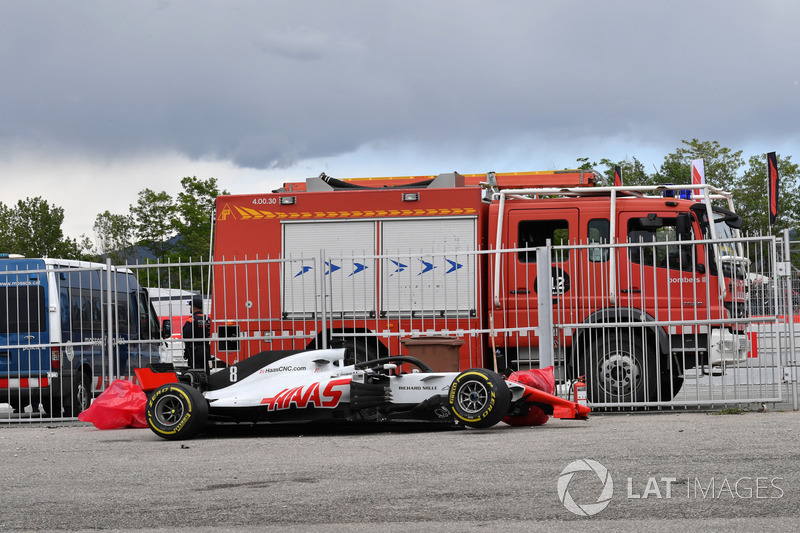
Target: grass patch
731	411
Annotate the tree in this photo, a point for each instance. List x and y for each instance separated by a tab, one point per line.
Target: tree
750	196
5	228
721	164
33	228
153	216
633	172
195	207
114	236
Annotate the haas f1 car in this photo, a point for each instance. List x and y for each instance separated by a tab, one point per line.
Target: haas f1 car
274	387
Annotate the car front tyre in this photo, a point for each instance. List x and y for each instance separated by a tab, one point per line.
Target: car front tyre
479	398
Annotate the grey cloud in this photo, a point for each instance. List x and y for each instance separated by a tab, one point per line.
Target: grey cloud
267	84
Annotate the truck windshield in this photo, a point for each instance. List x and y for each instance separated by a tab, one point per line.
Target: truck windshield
22	309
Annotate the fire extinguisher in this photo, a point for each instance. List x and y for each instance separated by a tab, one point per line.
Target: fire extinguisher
580	391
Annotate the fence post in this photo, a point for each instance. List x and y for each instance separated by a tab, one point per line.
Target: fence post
323	300
109	323
545	306
791	360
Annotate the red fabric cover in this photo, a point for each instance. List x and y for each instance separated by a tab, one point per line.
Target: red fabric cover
121	405
541	379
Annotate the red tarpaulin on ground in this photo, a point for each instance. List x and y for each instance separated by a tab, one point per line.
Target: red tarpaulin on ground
538	378
121	405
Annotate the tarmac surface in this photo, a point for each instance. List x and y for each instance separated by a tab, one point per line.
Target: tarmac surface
700	471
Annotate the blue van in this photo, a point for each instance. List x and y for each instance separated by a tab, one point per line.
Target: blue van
68	328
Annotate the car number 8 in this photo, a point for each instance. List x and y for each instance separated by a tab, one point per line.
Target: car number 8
233	377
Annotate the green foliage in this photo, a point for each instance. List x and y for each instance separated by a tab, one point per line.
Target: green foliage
33	228
721	164
731	411
723	169
195	209
192	224
750	193
114	236
585	164
153	221
633	172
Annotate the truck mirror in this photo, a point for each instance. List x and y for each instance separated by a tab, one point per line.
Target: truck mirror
734	221
683	225
728	217
700	268
166	328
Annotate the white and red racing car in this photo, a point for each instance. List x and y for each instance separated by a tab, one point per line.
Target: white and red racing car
273	387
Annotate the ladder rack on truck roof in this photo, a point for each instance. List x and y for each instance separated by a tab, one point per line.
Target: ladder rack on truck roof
491	180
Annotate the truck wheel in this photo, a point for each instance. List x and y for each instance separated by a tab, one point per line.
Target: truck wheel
80	394
621	368
176	411
480	398
671	380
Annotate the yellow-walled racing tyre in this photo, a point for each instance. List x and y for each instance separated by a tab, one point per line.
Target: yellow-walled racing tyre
479	398
176	411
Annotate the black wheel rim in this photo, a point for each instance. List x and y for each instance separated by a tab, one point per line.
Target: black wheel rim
169	410
472	397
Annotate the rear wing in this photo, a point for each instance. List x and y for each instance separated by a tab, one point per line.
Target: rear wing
151	380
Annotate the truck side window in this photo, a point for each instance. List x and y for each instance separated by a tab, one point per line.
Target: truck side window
672	256
598	230
123	315
22	310
86	311
534	233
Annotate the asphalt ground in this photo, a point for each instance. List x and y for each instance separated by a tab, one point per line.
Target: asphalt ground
700	471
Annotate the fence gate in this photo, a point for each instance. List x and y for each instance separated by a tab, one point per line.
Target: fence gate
656	333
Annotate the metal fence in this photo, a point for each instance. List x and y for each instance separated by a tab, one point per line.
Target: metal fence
67	329
672	339
642	323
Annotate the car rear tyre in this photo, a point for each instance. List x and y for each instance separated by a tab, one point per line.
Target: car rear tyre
176	411
479	398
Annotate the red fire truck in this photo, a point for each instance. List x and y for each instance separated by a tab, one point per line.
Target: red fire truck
638	292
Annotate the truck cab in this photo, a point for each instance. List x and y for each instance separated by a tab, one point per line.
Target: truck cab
628	272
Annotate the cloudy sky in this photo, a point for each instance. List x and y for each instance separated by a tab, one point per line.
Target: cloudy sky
99	99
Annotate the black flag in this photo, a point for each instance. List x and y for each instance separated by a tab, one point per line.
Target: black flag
617	176
772	173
